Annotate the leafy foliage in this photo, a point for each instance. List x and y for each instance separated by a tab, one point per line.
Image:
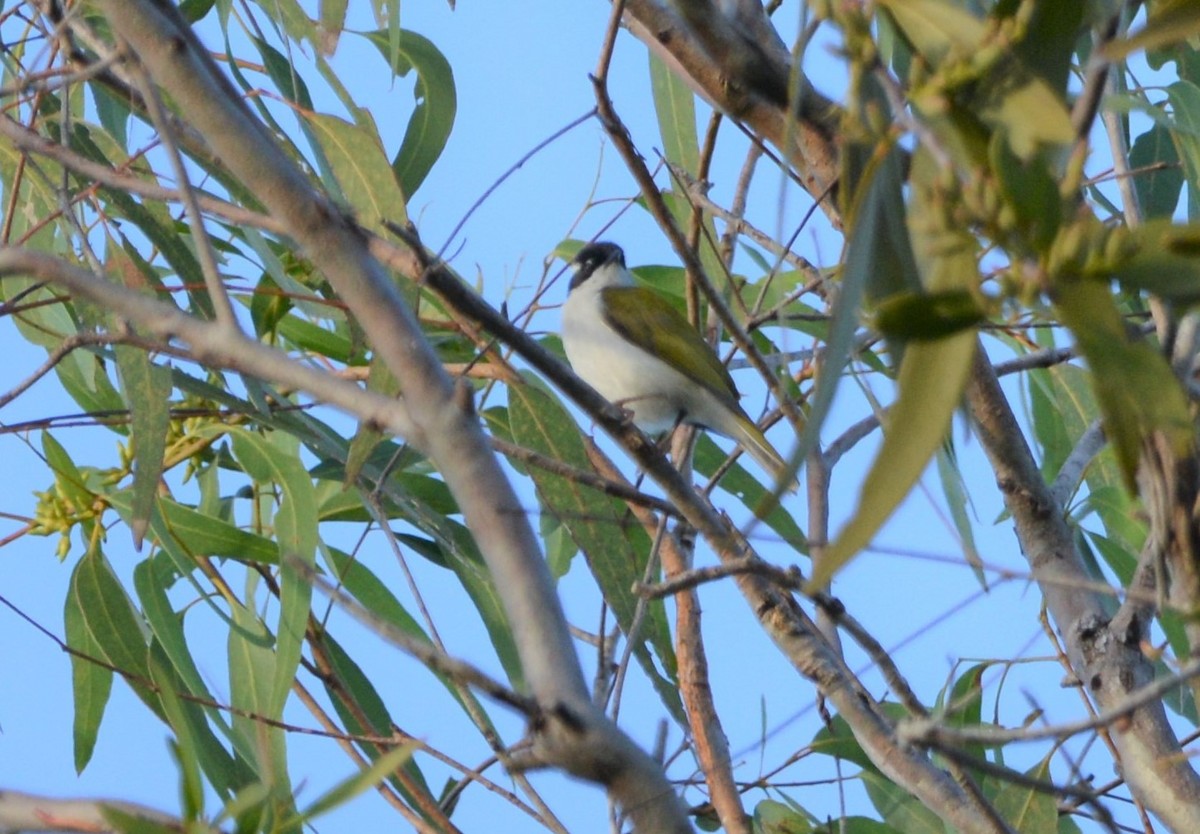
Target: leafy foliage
977	227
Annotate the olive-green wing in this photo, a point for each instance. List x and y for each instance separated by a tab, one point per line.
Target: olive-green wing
642	316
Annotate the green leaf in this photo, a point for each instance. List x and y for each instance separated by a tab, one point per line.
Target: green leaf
91	683
1158	189
147	390
1169	21
928	315
771	817
1030	189
67	476
610	538
937	28
187	533
964	706
313	338
1048	45
837	739
1030	115
374	595
284	75
930	383
294	20
1158	256
1136	389
171	237
332	16
368	437
167	626
954	487
251	689
899	808
113	111
1025	808
675	106
275	459
878	263
363	173
197	746
365	702
749	490
109	616
1184	98
356	784
436	103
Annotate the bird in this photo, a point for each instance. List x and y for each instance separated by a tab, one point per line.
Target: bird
643	355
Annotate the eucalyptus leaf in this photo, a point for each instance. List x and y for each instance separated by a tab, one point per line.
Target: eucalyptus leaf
605	531
436	103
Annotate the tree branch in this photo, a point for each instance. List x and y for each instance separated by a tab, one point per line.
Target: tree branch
1109	663
575	736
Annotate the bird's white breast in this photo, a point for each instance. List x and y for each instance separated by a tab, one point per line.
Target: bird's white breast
656	394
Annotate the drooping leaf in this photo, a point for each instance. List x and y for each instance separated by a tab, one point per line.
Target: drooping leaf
954	487
167	626
274	459
1137	392
436	103
931	376
197	743
1030	189
357	783
749	490
930	384
147	390
675	106
113	626
1050	34
364	701
612	540
91	683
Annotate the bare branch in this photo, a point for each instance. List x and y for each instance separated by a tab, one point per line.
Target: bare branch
28	812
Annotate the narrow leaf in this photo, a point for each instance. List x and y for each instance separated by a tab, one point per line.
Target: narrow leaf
296	532
1136	389
614	544
436	103
930	383
91	683
181	529
147	389
362	170
362	781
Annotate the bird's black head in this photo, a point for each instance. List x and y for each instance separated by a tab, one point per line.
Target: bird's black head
592	257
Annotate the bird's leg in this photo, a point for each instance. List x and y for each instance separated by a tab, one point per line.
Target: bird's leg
626	412
665	442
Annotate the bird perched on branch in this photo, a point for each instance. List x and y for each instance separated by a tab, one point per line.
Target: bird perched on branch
637	350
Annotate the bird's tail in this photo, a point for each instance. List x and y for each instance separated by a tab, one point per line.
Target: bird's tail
758	447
